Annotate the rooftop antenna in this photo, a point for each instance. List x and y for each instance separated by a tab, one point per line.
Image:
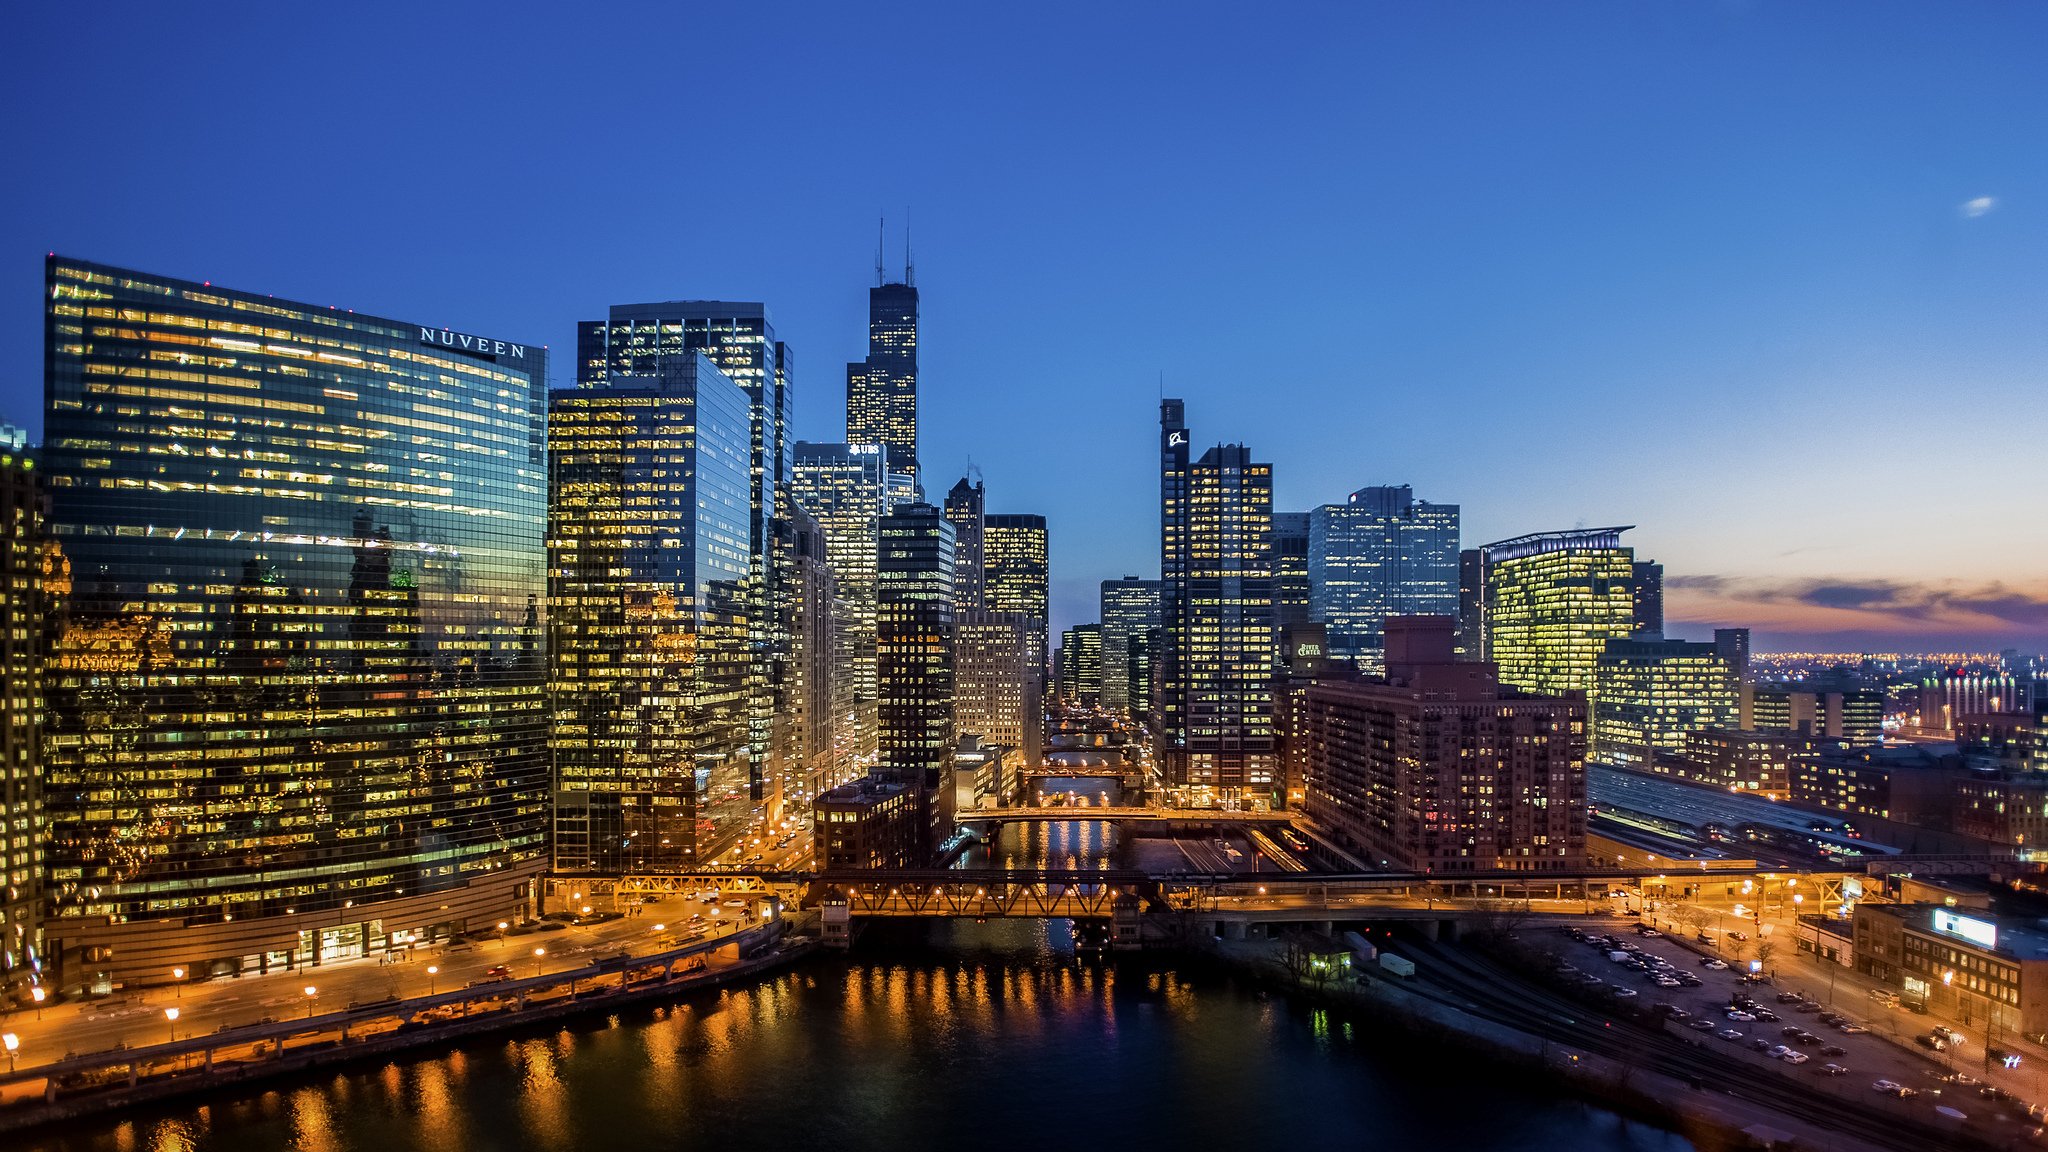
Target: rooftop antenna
880	223
909	269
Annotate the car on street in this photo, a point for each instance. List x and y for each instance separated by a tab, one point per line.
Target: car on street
1729	1034
1848	1029
1931	1042
1764	1046
1795	1057
1766	1014
1738	1014
497	972
1625	993
1893	1088
1832	1070
1701	1025
1738	935
1715	965
1833	1050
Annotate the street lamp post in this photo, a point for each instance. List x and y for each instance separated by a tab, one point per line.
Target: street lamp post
432	971
178	976
171	1017
38	995
11	1042
311	992
538	953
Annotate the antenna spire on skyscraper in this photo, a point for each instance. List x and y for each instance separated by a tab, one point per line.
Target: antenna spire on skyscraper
909	269
881	225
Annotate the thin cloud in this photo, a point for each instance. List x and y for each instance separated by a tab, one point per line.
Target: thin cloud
1974	208
1886	604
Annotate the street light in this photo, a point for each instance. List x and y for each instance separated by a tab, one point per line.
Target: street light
178	974
171	1015
11	1042
432	971
537	954
311	992
38	995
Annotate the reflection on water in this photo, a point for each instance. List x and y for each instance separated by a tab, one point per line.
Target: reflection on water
1078	843
958	1035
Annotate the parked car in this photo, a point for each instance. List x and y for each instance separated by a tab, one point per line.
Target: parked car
1729	1034
1832	1070
1795	1057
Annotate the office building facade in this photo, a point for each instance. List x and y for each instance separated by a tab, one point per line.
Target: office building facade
966	511
649	655
881	391
998	691
1651	694
297	689
645	341
1649	599
914	653
1380	553
1552	601
846	487
1080	666
1215	738
1292	588
1441	768
1016	574
1129	612
21	706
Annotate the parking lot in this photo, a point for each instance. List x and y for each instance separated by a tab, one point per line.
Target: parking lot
1845	1048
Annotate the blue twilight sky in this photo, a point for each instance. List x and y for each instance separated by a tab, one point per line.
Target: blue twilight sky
1764	279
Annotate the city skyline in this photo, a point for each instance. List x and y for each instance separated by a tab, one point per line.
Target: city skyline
1764	258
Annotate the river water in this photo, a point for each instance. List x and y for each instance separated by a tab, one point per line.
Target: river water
982	1036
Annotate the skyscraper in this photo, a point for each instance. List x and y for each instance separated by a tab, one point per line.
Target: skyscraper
1553	600
21	704
1649	598
1219	600
998	692
1130	611
1016	576
646	340
846	486
1081	665
965	511
1381	553
1292	585
1733	645
1438	767
297	694
648	618
881	391
1652	693
1472	604
820	693
914	652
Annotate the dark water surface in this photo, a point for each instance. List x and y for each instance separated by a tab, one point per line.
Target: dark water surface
971	1036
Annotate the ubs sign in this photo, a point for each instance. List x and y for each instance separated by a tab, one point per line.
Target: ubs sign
444	338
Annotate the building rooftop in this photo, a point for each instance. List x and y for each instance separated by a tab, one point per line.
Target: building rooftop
1536	543
2017	939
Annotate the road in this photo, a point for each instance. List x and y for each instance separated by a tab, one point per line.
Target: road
1486	989
140	1018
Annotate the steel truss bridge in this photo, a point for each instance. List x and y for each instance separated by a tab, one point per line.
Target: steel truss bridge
1088	893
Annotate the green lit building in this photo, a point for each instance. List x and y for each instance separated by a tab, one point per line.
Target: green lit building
1552	601
296	687
649	659
1650	695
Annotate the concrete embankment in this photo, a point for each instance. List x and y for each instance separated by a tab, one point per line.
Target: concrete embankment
412	1039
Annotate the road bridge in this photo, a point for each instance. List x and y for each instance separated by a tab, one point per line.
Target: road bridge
1121	815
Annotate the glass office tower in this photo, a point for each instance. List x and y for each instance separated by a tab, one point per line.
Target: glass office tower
1015	575
649	658
644	340
297	688
1130	611
1219	603
881	391
847	488
1650	694
1381	553
1553	600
